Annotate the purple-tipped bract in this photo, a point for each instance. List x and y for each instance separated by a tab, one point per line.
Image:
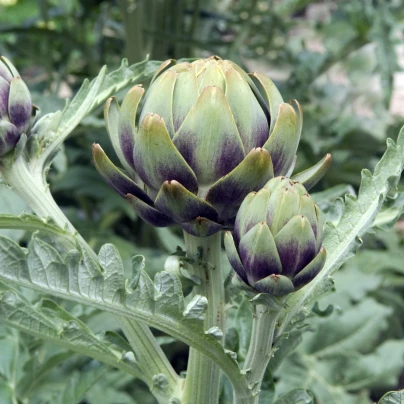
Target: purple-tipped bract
17	114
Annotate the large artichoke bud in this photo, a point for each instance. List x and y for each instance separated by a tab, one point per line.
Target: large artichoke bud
17	113
278	233
205	136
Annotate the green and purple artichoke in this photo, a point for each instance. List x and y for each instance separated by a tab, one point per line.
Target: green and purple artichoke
17	114
204	136
278	234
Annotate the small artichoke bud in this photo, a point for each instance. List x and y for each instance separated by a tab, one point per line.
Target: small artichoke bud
17	114
205	135
276	248
179	266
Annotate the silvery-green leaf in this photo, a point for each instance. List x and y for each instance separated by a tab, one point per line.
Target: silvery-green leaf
357	329
324	199
81	278
50	322
78	385
94	93
297	396
392	397
216	332
196	308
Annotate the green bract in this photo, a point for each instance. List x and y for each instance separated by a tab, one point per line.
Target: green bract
205	135
17	114
278	233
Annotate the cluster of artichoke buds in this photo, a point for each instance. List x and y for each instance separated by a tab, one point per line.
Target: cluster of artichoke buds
278	233
17	114
205	135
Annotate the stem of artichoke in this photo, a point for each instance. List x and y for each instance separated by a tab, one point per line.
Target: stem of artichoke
31	186
133	18
260	350
152	359
202	384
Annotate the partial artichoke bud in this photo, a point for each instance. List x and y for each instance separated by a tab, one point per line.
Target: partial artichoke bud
205	136
180	267
278	233
16	110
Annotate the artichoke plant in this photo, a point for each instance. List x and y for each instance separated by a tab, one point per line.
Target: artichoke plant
17	114
278	233
205	135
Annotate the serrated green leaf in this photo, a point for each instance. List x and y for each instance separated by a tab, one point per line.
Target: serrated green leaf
325	199
111	263
36	371
215	332
240	319
6	393
342	378
196	308
390	213
79	278
79	384
357	329
284	346
298	396
351	285
168	294
49	321
103	395
94	93
379	369
379	262
392	397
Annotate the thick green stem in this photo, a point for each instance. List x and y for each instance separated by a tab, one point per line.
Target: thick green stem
163	380
34	191
202	384
260	350
133	18
31	187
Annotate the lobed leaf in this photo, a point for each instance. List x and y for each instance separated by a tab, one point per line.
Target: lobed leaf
78	277
297	396
94	93
343	377
81	382
50	322
392	397
356	329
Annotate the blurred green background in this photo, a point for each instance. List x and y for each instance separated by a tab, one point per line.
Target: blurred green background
341	59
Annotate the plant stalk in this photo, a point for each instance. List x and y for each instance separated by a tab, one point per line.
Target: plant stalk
202	384
260	350
133	18
149	353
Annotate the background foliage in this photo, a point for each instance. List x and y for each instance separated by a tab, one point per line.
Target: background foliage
342	60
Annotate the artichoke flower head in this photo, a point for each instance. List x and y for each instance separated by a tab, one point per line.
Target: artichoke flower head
17	114
203	136
278	234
